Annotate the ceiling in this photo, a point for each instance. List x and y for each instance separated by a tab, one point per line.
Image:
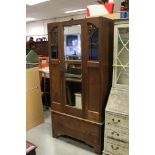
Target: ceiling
56	8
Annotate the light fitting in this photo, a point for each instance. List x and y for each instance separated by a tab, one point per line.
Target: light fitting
30	19
77	10
34	2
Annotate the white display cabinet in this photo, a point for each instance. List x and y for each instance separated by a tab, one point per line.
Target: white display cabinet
116	132
121	56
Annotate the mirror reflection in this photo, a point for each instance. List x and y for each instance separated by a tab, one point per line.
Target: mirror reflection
73	67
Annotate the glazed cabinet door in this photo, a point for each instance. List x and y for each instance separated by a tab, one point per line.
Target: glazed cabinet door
121	56
98	74
55	64
92	69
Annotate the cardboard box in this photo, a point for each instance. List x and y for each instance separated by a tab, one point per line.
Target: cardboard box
34	106
78	100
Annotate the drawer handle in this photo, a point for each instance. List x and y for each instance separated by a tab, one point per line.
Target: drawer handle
114	132
114	148
118	121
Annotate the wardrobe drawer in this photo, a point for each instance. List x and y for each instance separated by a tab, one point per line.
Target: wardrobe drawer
76	128
118	134
114	120
115	147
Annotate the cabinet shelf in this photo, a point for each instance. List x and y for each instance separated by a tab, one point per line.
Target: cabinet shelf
121	66
94	44
54	45
75	76
74	79
73	61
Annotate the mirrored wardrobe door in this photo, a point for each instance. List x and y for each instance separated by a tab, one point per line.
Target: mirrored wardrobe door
73	66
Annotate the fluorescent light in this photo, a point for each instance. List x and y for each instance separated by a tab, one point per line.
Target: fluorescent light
33	2
30	19
78	10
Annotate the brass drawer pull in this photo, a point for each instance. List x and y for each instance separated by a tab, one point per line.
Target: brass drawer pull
114	132
116	148
118	121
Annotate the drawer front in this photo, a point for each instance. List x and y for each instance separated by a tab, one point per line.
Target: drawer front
117	134
113	120
115	147
76	128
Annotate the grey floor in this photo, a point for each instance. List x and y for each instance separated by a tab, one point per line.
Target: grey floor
41	136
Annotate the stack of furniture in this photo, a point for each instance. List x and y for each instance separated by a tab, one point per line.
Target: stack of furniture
41	46
116	138
45	86
80	63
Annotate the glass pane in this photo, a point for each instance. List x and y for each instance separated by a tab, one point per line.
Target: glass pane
123	78
73	67
122	74
93	42
54	43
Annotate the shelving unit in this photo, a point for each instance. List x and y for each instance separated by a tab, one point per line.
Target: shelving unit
74	80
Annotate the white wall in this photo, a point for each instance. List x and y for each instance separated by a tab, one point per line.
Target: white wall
38	29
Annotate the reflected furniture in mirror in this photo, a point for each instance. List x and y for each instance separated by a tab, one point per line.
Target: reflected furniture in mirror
80	62
73	66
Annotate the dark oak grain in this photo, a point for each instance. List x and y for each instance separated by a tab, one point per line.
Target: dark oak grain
86	124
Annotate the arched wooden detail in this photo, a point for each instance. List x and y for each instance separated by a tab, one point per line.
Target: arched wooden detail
54	43
93	42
